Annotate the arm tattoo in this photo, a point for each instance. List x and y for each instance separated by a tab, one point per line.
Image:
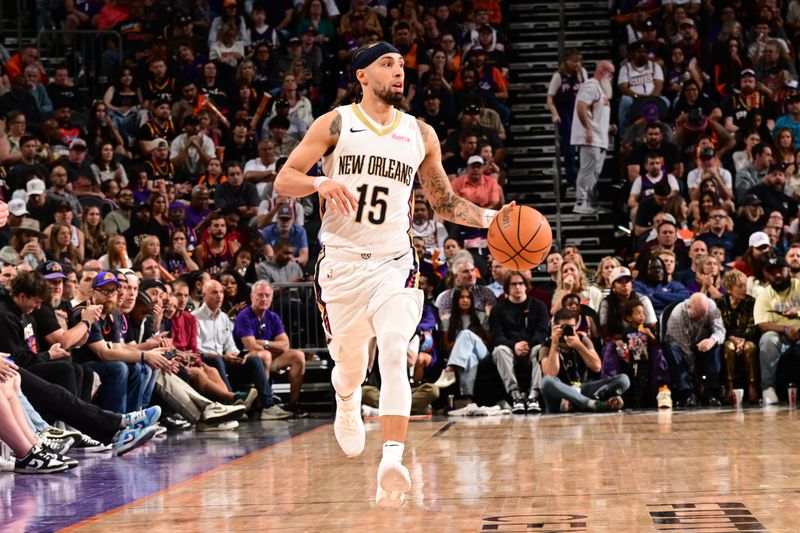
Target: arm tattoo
423	130
336	125
445	202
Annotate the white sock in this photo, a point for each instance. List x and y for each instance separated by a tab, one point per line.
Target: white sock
393	450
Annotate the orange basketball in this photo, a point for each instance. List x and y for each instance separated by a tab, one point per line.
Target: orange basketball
520	238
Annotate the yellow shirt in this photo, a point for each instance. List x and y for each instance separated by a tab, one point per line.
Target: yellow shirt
769	305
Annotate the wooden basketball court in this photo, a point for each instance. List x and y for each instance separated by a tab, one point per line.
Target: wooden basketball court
655	471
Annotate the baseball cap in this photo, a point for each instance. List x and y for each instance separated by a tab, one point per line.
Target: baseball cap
294	40
793	99
183	20
639	46
485	29
311	30
104	278
51	270
757	239
474	159
750	199
686	22
34	187
650	112
748	72
77	144
697	120
472	109
285	211
707	153
161	143
431	94
227	3
150	283
649	25
282	102
17	207
619	273
776	261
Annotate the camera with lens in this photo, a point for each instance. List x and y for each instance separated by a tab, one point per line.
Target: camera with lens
170	354
567	330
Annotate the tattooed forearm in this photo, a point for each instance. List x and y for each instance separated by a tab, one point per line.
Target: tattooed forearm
336	125
446	204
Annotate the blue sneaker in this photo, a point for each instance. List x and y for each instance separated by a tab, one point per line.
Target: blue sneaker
142	419
131	438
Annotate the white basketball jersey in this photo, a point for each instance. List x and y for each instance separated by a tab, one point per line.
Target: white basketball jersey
378	165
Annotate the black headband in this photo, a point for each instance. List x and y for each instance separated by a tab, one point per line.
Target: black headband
368	56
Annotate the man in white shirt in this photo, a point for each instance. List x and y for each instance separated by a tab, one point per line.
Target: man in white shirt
261	170
637	78
590	125
191	151
218	349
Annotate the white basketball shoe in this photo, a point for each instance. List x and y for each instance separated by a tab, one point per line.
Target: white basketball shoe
348	425
393	484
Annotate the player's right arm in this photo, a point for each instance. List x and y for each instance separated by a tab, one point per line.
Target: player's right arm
293	181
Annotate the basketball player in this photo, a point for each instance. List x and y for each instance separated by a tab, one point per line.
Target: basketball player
367	270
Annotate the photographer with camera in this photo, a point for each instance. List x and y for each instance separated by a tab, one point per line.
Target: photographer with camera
568	360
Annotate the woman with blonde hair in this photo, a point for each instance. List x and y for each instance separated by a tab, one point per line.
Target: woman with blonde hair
571	280
707	279
570	252
117	256
602	278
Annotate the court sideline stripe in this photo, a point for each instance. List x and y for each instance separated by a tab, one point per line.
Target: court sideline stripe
202	475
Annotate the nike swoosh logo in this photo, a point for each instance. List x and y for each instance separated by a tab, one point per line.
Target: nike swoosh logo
357	131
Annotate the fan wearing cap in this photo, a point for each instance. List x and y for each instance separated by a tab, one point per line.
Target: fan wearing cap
372	151
124	372
284	227
770	192
16	214
710	167
736	106
477	187
160	126
776	315
638	78
469	122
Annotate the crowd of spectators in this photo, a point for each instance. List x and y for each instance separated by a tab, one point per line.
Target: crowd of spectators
703	299
144	236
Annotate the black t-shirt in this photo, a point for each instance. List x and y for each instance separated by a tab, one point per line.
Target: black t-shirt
455	165
19	171
151	131
46	323
62	95
106	329
648	209
775	201
440	123
667	150
735	106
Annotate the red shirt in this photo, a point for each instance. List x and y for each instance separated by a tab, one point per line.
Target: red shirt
184	332
486	193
